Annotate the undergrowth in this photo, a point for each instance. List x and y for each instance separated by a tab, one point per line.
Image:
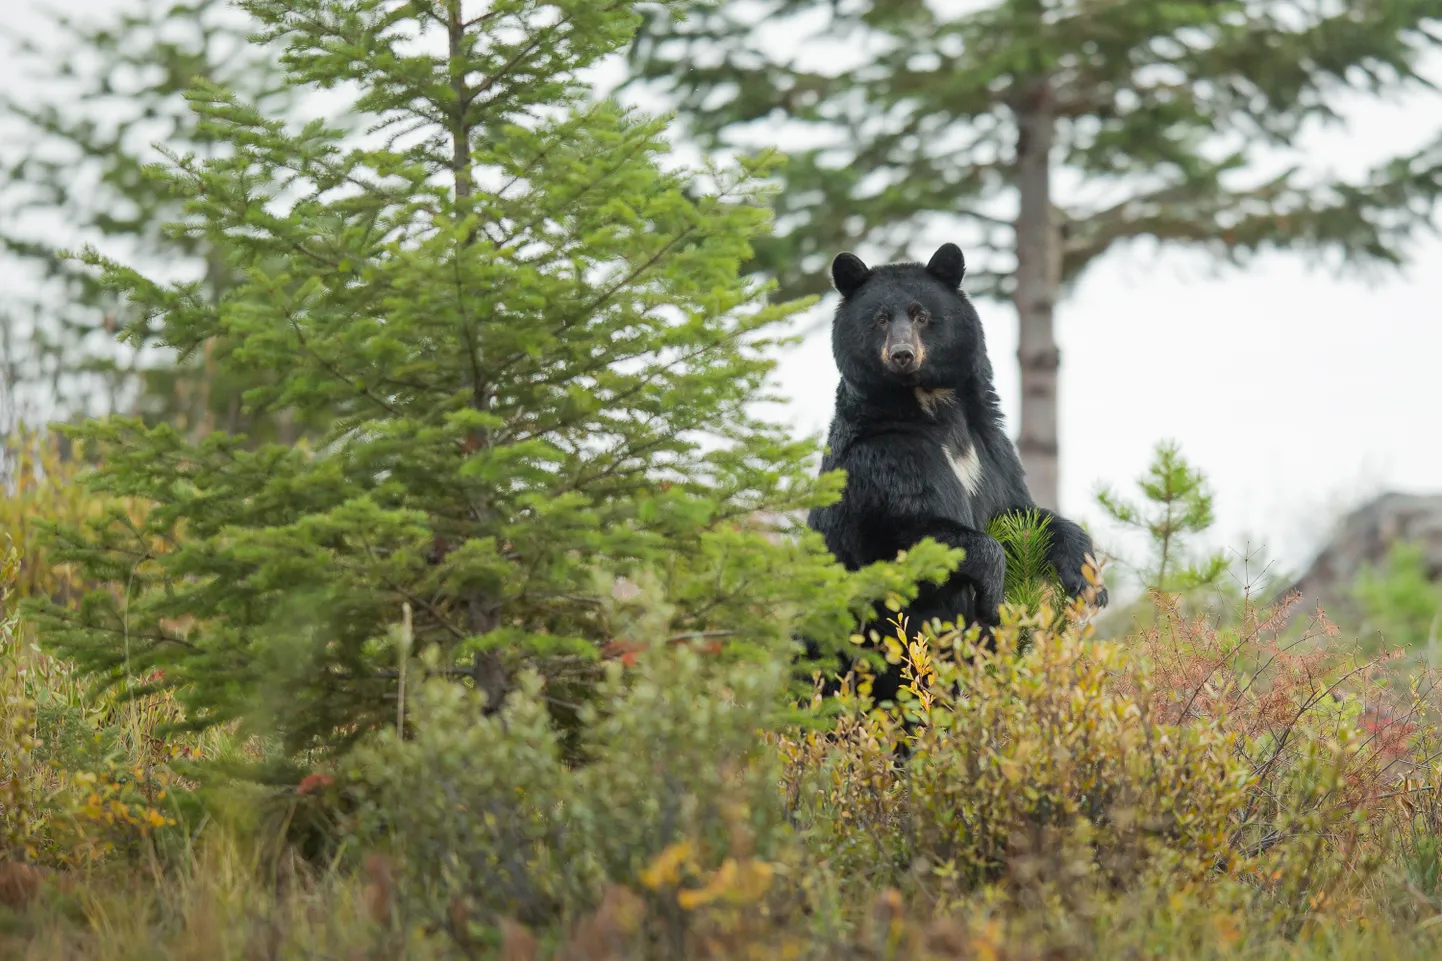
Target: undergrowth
1200	786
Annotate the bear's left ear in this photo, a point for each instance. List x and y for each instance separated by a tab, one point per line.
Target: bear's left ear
947	265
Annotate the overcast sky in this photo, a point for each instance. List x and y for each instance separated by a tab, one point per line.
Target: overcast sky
1298	391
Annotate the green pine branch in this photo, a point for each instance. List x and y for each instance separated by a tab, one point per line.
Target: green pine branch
1030	578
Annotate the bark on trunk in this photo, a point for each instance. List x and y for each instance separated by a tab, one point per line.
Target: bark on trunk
1037	279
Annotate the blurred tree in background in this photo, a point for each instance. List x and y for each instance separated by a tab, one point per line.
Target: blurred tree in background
103	93
1163	119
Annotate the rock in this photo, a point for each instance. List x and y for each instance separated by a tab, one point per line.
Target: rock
1364	538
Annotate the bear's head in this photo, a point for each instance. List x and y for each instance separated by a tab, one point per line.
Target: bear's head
905	325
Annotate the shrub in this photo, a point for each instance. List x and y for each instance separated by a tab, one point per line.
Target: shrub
41	486
675	798
1036	753
85	780
1081	771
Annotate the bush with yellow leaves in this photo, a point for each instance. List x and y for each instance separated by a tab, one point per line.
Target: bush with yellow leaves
75	791
675	798
1042	793
1017	767
1079	770
41	485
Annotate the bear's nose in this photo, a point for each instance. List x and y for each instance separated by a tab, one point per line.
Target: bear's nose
901	357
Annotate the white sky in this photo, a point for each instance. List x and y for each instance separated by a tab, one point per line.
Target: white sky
1298	392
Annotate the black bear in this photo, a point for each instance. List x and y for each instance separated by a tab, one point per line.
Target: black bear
918	429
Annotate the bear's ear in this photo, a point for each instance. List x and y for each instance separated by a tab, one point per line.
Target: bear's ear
848	273
947	265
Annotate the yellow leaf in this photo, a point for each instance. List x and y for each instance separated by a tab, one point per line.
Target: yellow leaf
666	868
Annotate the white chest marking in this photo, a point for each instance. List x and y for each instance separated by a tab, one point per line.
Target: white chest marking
966	466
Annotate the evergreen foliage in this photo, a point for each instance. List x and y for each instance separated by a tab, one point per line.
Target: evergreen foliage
111	88
542	362
1175	505
1030	577
1160	116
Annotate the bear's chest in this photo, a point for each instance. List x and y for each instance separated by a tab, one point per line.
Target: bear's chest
965	478
965	464
921	468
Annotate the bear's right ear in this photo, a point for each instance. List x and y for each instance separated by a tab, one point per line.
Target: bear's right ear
848	273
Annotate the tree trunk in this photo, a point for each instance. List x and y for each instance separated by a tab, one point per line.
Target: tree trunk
1037	278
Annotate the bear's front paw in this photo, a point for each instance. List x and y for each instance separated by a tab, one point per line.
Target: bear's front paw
990	595
1074	582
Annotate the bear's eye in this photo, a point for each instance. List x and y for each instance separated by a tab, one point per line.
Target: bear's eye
882	319
918	314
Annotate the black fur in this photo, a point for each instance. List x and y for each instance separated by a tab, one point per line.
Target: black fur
916	384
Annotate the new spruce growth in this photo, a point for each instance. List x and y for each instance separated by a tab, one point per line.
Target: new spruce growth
1030	577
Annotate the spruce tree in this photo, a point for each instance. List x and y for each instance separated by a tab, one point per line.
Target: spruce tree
543	364
1161	113
1175	505
106	90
